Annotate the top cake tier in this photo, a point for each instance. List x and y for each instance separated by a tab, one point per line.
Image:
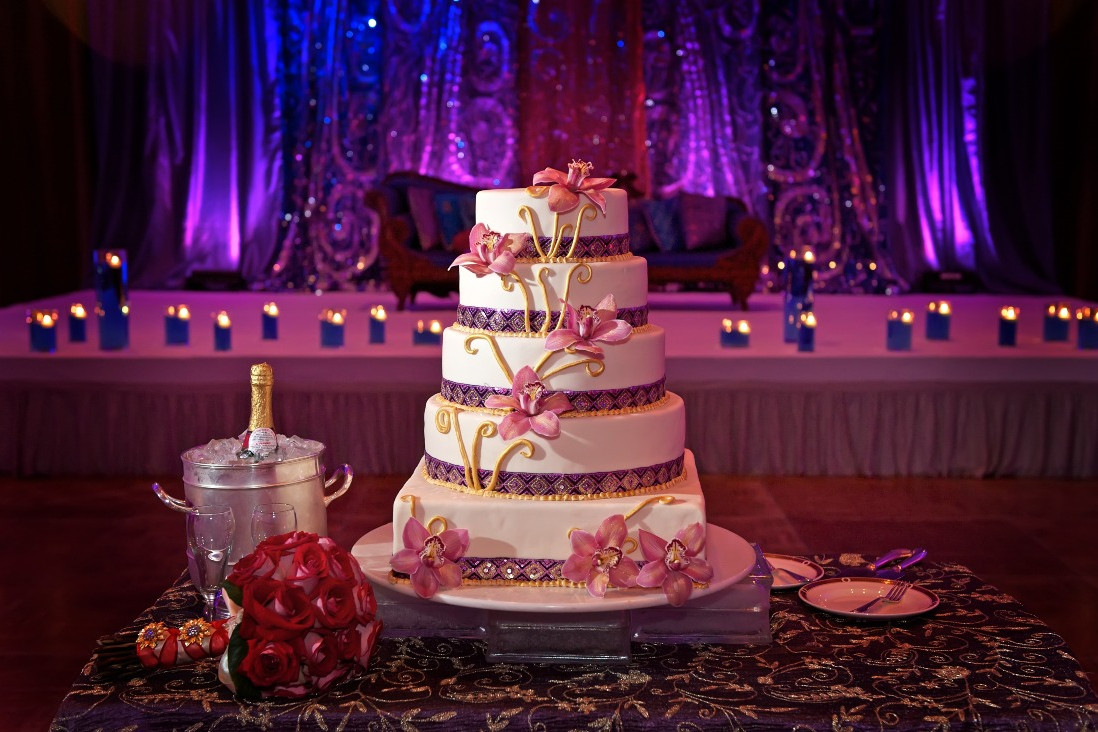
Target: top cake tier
516	212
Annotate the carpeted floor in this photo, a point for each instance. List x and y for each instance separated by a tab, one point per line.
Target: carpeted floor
98	551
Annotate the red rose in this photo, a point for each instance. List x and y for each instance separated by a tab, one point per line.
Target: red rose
348	643
365	603
341	565
257	564
335	603
310	565
268	663
320	651
275	610
367	636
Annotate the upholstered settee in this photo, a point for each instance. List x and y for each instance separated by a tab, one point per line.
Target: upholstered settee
705	241
689	240
424	226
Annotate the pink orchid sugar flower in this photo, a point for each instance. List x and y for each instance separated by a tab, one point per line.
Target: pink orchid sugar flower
533	409
430	559
488	253
599	560
564	188
587	325
674	565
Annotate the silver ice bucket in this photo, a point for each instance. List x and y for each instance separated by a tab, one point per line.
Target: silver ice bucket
298	481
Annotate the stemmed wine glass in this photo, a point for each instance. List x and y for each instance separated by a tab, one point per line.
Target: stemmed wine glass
210	539
272	519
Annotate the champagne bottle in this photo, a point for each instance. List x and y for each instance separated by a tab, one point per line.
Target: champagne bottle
259	440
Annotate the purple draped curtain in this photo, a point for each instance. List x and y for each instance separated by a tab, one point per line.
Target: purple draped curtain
970	114
186	122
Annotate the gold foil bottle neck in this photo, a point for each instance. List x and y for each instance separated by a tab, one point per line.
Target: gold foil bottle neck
262	377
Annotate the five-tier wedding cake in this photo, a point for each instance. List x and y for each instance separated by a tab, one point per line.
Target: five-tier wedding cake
554	453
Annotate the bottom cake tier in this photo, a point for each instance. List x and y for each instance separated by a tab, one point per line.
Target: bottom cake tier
516	541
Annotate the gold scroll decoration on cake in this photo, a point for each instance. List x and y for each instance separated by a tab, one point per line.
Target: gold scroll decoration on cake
447	419
587	211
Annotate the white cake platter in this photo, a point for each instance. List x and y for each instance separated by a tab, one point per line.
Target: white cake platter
731	557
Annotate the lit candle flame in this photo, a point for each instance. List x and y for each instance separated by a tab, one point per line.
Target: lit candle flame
907	316
809	257
940	306
271	309
1087	314
182	312
77	310
808	320
114	260
744	327
419	326
223	320
377	312
335	317
727	325
1064	313
436	327
47	320
1009	313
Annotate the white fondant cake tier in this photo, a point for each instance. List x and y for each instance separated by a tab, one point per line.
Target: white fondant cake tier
626	279
635	362
586	444
499	210
501	528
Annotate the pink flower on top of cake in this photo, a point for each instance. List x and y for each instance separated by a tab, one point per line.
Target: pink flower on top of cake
534	409
564	188
599	560
587	325
430	559
488	252
674	565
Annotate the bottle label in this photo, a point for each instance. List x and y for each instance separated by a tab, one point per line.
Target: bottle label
259	442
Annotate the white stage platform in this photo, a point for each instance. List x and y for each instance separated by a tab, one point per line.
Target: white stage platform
965	407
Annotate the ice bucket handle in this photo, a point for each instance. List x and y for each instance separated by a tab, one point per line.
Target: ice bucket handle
348	476
173	503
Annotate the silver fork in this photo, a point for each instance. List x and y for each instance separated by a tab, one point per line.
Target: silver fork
894	595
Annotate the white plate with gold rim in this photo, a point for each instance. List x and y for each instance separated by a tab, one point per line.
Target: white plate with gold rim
731	557
783	564
841	595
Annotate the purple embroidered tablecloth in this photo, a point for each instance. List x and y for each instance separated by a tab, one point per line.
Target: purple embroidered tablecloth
979	661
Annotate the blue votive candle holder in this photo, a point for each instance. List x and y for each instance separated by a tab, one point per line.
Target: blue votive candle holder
177	325
898	331
43	330
331	328
1057	321
223	332
78	323
111	292
938	315
1008	326
806	332
1087	334
736	335
377	324
430	335
270	321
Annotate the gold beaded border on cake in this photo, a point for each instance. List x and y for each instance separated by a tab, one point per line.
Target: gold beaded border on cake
568	584
573	260
563	415
556	496
647	327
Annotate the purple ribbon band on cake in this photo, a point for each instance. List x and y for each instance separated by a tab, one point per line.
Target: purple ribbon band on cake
588	247
562	484
514	321
468	395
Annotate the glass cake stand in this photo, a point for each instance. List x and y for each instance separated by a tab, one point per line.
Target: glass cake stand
563	624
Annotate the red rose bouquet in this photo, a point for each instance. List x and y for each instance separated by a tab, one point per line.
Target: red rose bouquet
308	618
